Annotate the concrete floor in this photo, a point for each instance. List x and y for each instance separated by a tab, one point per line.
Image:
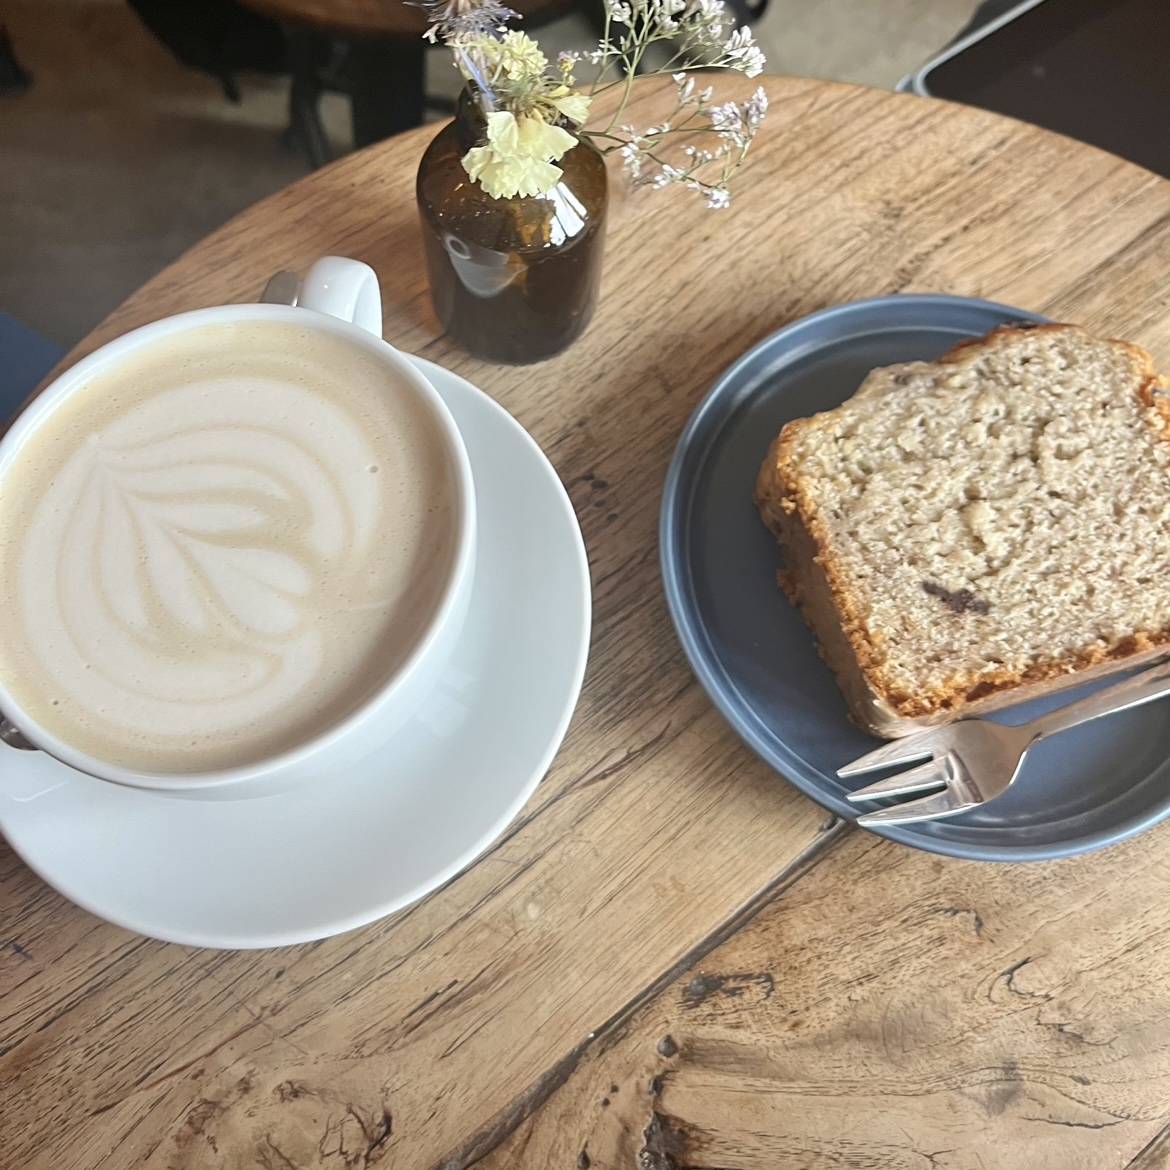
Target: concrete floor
119	158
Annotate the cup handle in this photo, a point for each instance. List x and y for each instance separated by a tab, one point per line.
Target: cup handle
344	288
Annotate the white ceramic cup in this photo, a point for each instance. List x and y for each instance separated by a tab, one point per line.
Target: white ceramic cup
341	297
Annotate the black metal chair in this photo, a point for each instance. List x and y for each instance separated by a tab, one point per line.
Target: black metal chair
13	77
383	75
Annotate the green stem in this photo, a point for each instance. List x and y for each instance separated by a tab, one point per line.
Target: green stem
625	96
616	139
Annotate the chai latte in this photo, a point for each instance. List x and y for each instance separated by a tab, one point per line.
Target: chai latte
221	546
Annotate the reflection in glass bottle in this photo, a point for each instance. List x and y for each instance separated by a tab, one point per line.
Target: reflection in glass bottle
512	280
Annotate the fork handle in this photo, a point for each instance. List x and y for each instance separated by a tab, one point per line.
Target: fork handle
1150	684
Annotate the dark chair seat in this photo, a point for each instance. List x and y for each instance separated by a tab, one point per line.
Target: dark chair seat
25	358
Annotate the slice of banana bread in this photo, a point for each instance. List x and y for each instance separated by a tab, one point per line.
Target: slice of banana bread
973	532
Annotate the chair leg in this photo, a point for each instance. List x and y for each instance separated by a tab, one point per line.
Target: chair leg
307	52
386	80
13	77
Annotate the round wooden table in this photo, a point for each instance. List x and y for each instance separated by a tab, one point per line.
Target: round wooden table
671	959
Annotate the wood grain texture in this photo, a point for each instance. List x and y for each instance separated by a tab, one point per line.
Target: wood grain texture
921	1015
424	1040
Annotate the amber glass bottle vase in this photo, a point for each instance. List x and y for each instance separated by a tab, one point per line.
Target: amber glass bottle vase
513	280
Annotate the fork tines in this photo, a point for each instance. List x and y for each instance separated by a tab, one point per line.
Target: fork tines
932	774
889	755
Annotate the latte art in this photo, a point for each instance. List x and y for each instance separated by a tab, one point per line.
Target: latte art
187	558
221	548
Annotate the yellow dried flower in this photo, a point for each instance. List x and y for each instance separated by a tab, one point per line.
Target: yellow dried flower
570	104
518	156
520	55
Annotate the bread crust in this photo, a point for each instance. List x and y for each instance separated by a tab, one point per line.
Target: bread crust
813	579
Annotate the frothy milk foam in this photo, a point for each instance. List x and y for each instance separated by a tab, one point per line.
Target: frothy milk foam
221	547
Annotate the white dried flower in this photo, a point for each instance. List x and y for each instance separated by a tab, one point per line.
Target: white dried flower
754	61
452	18
756	107
631	155
742	53
668	174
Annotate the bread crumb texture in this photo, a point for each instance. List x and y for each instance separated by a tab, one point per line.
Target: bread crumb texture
996	517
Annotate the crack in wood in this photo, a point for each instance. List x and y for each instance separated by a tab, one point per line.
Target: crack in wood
368	1149
284	1160
933	1158
97	982
664	1143
1152	1156
976	921
703	987
1009	975
1074	1124
628	757
481	1143
197	1059
429	999
377	1134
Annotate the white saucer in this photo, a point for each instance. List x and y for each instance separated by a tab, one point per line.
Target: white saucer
336	854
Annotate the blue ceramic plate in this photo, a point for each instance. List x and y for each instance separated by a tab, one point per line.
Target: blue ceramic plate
751	650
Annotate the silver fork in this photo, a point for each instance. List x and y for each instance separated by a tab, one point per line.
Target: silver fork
973	761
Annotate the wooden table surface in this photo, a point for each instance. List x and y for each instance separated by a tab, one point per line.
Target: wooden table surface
672	960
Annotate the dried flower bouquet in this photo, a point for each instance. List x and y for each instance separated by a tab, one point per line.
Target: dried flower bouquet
534	114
